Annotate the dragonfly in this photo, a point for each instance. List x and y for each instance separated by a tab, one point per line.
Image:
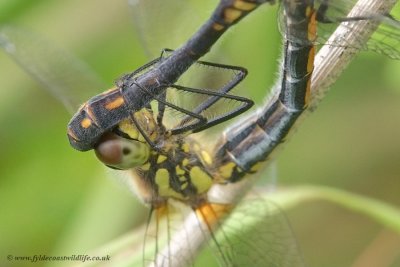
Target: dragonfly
239	150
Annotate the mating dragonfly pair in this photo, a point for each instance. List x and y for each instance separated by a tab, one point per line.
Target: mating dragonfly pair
146	124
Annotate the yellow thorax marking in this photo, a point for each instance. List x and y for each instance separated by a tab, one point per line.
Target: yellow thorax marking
186	147
185	162
161	158
162	181
179	171
145	167
127	127
201	180
184	185
206	157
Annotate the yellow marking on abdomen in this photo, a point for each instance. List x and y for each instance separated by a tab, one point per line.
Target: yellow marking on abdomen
311	57
226	170
312	36
201	180
256	167
239	4
218	27
116	103
231	14
312	26
86	123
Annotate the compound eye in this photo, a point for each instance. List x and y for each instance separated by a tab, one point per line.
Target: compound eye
121	153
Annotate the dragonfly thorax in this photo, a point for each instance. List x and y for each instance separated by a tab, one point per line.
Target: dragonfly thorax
179	168
181	171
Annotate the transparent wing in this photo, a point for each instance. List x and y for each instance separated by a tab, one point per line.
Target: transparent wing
257	233
213	96
182	107
165	232
70	80
386	39
167	24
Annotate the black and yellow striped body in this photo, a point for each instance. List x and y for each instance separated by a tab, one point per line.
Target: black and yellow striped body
179	173
134	92
251	141
167	165
180	168
185	171
89	123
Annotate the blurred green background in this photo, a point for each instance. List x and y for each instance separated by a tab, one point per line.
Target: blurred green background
57	201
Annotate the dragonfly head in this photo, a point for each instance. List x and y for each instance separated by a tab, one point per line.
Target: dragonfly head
121	152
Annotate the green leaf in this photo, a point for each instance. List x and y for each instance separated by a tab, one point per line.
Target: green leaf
379	211
127	250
